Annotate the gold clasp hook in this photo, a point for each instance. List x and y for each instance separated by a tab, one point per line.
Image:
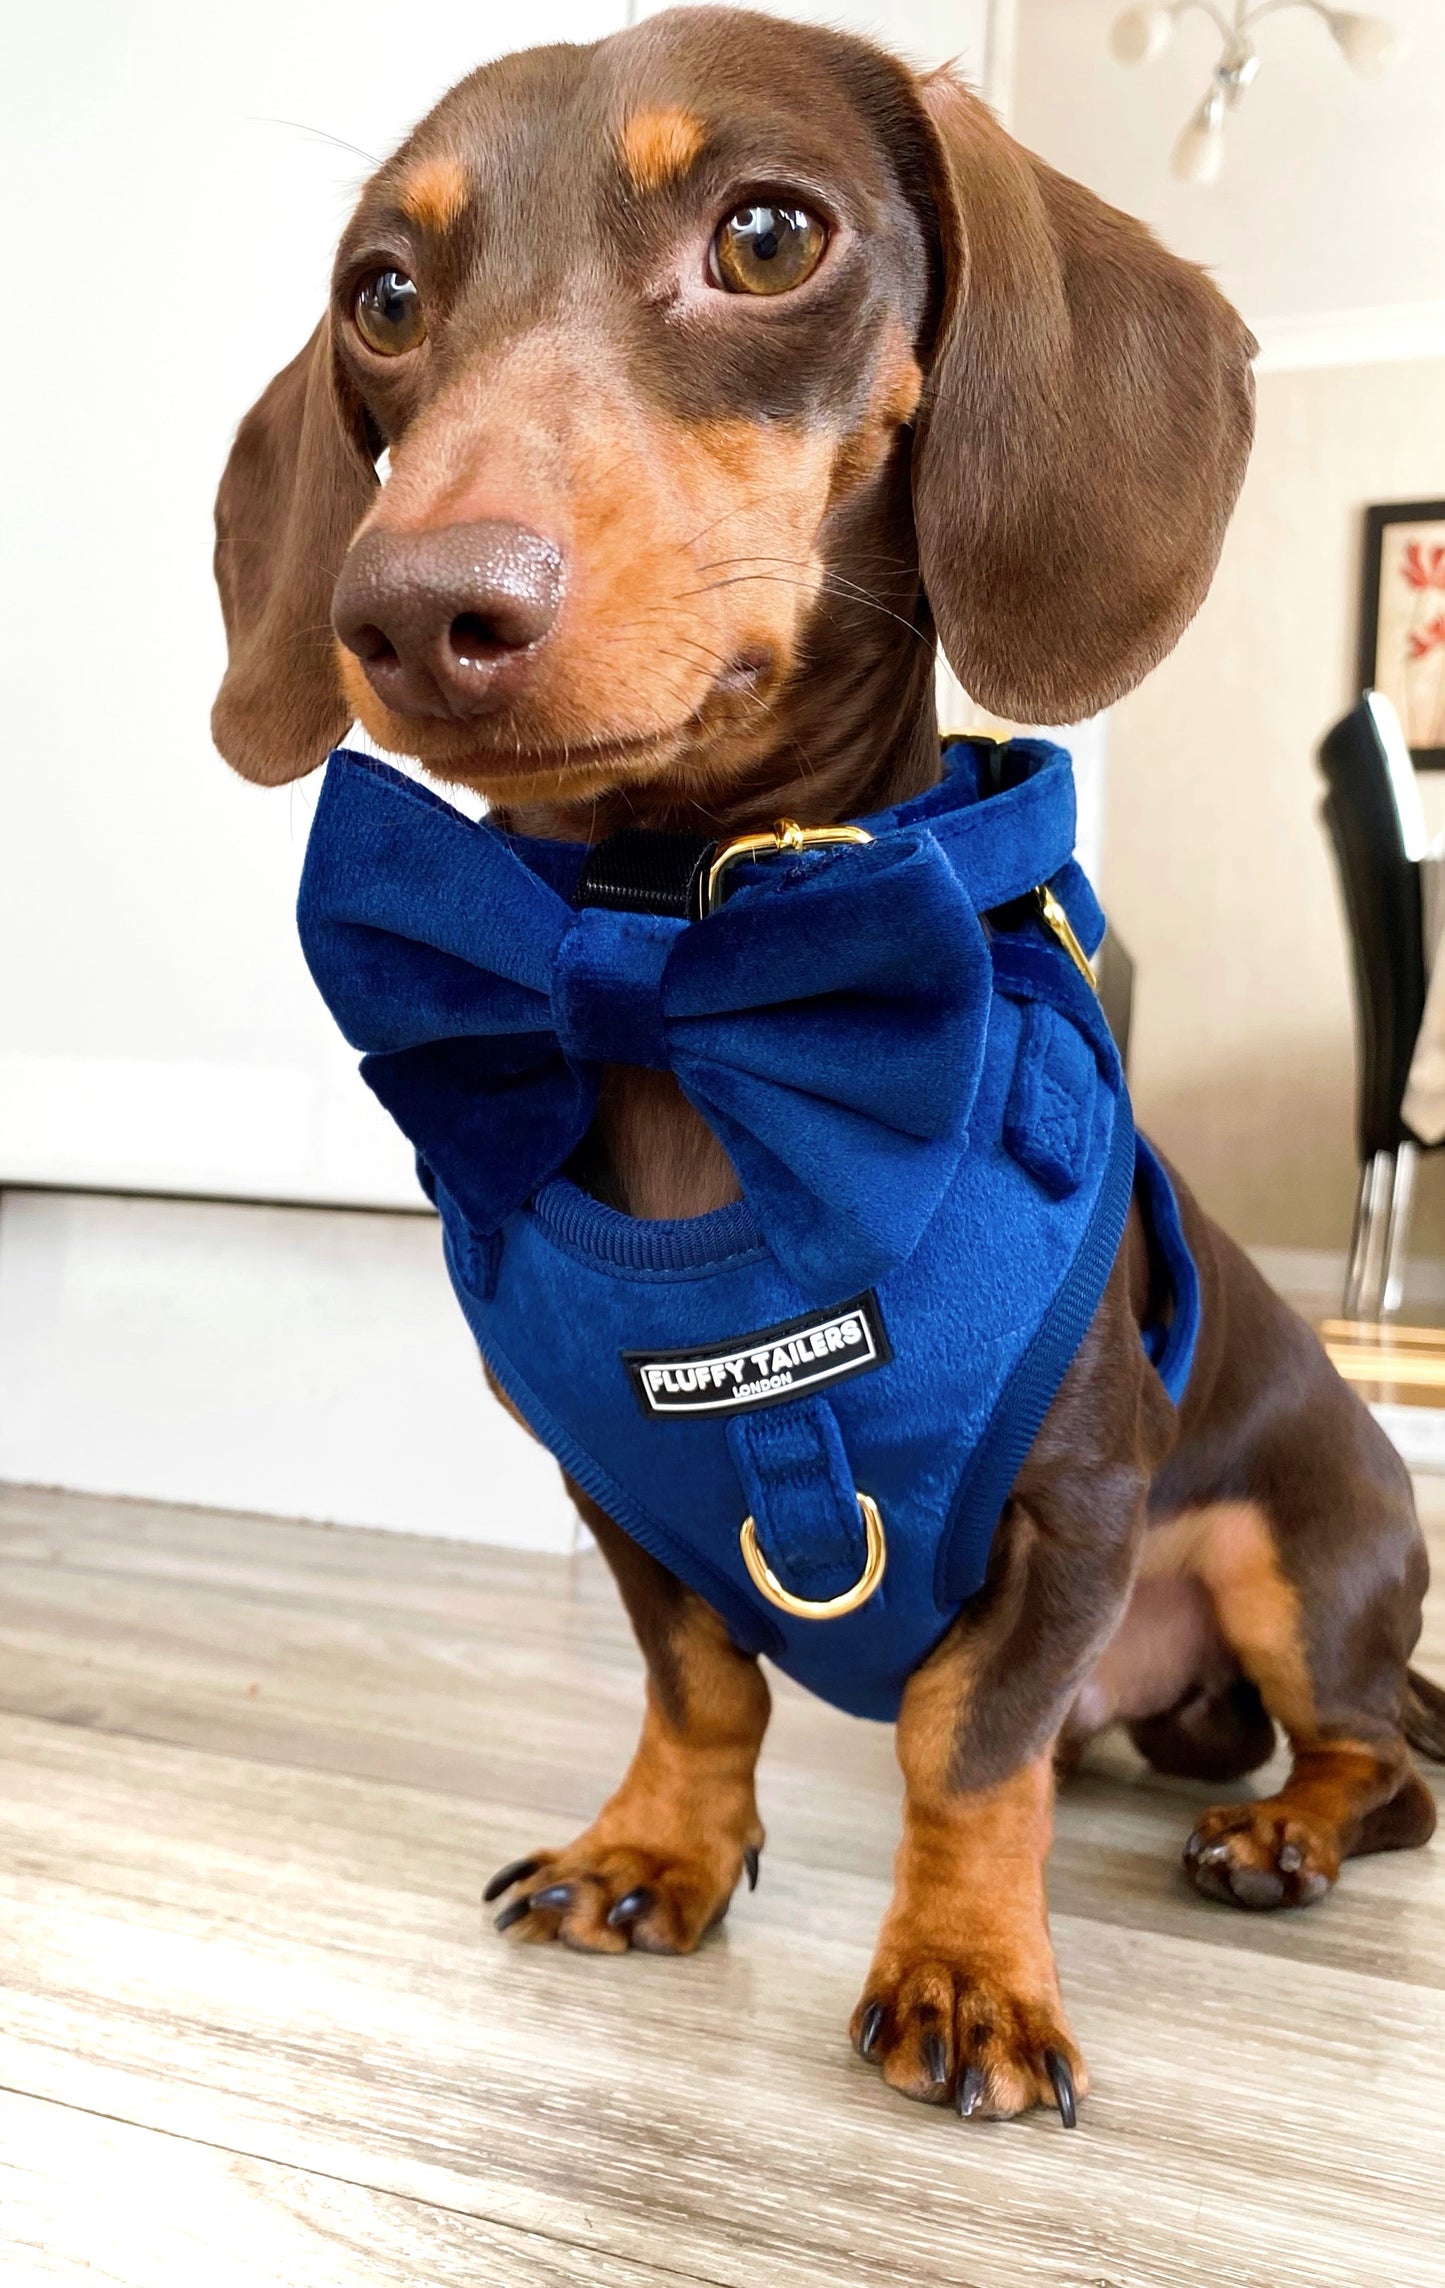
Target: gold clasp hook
1056	921
786	835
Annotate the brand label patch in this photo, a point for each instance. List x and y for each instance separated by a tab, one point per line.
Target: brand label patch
765	1368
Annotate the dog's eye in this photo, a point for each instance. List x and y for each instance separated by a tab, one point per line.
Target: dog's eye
767	249
389	313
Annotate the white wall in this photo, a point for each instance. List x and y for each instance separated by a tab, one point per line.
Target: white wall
1220	877
976	34
300	1361
156	1021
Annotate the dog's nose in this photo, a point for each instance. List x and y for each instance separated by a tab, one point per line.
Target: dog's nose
447	622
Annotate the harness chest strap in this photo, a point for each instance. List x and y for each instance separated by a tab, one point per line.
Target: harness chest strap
793	1468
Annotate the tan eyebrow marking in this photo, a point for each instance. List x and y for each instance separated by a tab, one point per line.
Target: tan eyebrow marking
658	146
434	193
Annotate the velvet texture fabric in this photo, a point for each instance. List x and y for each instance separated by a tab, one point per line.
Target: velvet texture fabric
490	1007
919	1105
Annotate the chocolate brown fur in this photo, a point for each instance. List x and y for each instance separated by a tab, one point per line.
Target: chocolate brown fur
1001	410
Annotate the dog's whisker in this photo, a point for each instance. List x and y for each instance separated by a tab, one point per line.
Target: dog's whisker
725	516
835	579
317	135
824	586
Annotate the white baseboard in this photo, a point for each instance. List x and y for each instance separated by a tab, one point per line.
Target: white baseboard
299	1362
1417	1433
312	1362
1314	1272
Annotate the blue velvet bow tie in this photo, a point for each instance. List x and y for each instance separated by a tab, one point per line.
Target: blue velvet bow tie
828	1021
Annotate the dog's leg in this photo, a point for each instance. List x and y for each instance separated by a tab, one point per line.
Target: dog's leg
659	1864
1318	1593
1218	1736
962	1999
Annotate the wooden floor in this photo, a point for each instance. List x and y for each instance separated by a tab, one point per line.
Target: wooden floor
1389	1362
254	2032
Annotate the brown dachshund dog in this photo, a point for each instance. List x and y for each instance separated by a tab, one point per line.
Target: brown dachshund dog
720	364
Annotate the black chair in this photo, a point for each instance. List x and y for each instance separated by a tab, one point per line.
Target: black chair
1114	976
1373	813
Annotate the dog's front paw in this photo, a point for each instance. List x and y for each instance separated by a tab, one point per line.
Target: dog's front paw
947	2032
607	1896
1261	1855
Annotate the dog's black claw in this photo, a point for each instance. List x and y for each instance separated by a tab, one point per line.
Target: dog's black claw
512	1914
629	1908
750	1862
1059	2073
935	2058
969	2096
555	1895
870	2028
516	1871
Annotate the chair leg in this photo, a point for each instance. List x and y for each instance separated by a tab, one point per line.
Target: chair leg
1397	1233
1353	1295
1365	1284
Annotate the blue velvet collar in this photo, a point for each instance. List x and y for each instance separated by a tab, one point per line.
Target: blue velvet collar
828	1022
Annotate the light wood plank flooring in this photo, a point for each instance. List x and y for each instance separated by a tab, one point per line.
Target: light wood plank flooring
1388	1361
255	2030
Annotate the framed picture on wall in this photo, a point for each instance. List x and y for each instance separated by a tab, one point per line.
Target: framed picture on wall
1402	620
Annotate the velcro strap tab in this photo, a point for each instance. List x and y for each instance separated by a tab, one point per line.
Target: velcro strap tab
1049	1115
798	1488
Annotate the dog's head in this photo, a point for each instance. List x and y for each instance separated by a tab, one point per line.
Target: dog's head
693	349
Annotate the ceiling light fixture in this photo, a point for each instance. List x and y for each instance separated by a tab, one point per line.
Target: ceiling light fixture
1369	44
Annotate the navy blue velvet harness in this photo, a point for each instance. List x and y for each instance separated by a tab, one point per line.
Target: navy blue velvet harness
929	1123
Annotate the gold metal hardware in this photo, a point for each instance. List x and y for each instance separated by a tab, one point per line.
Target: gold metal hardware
786	835
831	1608
1055	920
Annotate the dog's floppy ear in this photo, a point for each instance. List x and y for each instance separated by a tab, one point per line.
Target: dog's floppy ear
297	484
1082	435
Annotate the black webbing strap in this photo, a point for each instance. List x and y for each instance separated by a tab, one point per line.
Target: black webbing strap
637	871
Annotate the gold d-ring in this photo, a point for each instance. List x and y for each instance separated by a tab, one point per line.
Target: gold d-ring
786	835
831	1608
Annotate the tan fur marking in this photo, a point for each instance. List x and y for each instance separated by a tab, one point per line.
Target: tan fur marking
659	146
1341	1797
905	390
688	544
964	1956
892	402
1283	1849
435	192
1230	1548
961	1849
682	1819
